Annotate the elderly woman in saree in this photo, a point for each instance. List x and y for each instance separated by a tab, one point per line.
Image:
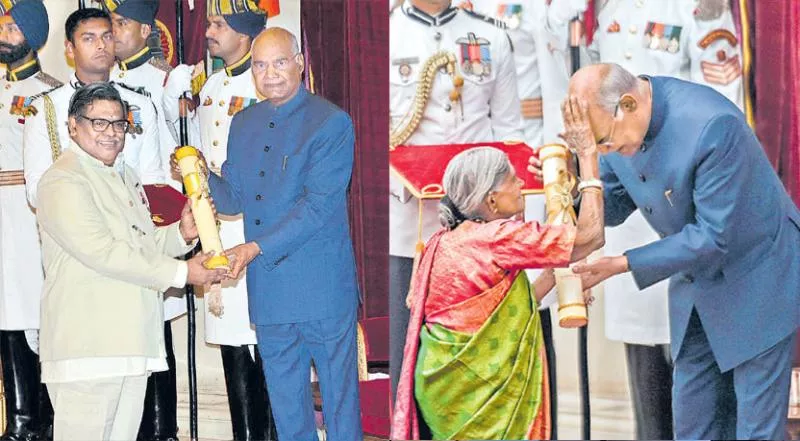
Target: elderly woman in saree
474	365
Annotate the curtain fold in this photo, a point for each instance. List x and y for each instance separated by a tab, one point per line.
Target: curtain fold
347	53
775	41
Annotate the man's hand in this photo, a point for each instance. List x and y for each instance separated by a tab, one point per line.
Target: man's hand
600	270
199	274
240	256
577	129
187	226
176	169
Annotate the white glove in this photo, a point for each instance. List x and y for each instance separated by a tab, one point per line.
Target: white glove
178	81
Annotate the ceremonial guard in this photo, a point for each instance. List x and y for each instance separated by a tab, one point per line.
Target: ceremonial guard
90	43
231	28
29	415
693	40
452	80
139	68
132	22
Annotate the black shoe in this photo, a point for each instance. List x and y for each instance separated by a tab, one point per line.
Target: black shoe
21	384
251	413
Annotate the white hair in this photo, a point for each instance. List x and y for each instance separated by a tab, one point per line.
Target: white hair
616	83
468	179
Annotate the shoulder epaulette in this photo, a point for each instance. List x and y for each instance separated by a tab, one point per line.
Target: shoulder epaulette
47	92
491	20
160	64
139	90
49	80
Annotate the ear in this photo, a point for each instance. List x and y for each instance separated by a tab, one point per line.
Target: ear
145	30
70	49
72	126
301	62
628	103
491	202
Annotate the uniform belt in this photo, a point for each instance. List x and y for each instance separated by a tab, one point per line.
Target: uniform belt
12	177
532	108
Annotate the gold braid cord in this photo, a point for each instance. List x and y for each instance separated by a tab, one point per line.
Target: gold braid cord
52	131
408	125
559	200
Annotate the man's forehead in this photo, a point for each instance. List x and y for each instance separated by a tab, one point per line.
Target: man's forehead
94	26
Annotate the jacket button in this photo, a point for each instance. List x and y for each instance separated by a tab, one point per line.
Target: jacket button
266	148
643	147
649	210
688	278
258	197
642	178
258	222
448	107
271	125
261	173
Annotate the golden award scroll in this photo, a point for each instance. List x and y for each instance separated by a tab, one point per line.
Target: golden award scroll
558	184
195	183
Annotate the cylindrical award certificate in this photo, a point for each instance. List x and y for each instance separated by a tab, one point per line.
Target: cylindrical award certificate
196	186
558	183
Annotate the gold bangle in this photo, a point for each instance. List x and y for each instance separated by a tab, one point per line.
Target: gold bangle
591	190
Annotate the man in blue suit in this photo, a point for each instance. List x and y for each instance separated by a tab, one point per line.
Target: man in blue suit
288	167
730	235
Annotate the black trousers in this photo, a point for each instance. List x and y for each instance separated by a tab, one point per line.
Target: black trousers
650	377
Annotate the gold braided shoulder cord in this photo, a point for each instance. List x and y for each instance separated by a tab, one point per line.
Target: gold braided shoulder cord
52	131
409	123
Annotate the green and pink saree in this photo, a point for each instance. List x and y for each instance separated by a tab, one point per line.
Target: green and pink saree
474	363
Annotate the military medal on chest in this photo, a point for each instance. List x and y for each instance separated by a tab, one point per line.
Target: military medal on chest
662	37
476	59
238	103
135	120
510	14
404	67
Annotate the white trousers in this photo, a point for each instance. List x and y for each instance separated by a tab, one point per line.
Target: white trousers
103	409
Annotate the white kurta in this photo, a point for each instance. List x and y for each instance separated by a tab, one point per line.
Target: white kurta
219	102
688	42
151	76
487	111
20	253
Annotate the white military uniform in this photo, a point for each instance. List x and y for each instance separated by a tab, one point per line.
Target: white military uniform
148	74
487	111
141	148
21	273
679	38
224	94
541	56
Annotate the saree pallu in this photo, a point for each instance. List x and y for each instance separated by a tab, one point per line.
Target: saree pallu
488	385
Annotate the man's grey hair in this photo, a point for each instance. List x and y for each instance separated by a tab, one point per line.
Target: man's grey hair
469	178
88	94
293	39
616	83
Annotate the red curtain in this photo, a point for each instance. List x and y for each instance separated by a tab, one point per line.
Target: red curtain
346	48
194	31
775	42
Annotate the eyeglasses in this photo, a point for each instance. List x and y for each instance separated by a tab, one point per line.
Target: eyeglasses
606	140
100	124
280	64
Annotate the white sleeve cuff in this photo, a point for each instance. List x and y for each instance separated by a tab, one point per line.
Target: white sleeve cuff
181	275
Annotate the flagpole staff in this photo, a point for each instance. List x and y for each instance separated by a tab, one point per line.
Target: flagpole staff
575	34
183	106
